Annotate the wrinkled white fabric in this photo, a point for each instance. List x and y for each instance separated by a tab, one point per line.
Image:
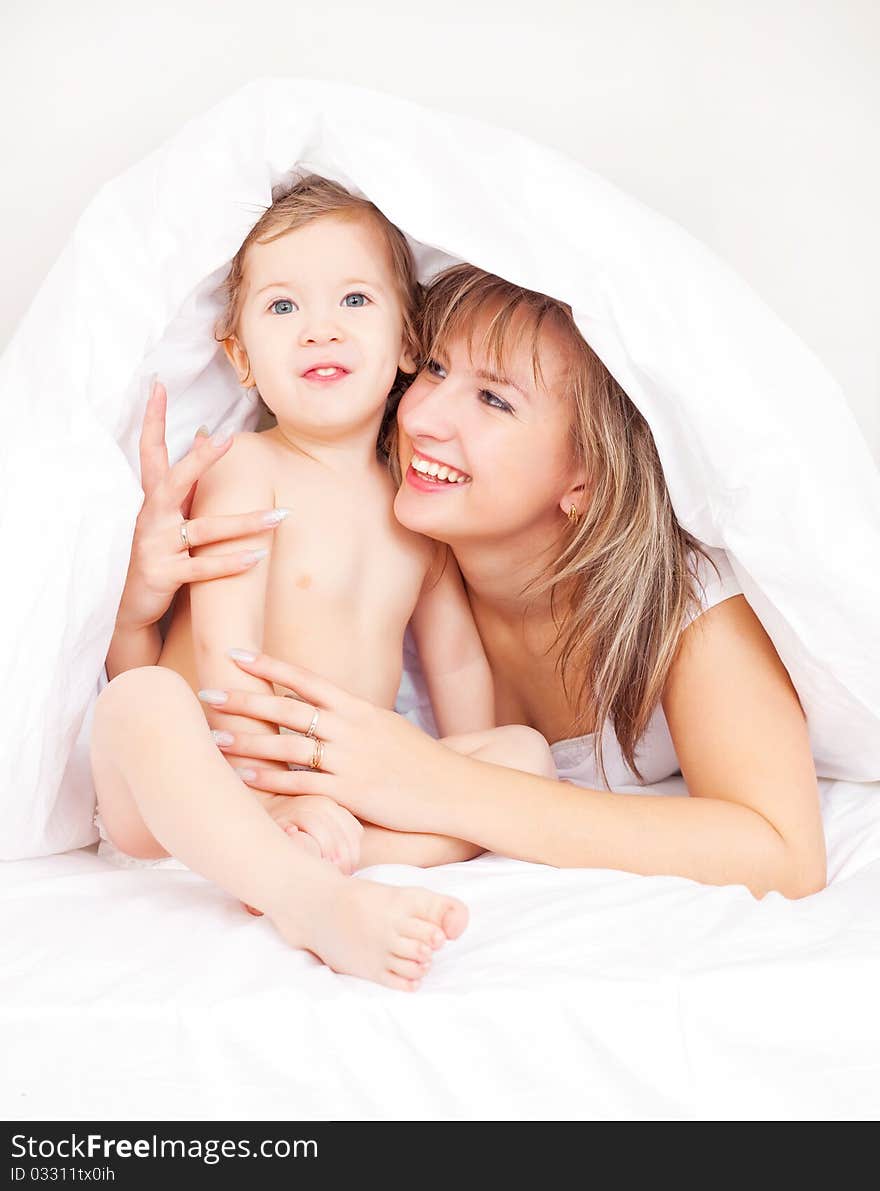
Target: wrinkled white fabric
573	994
762	456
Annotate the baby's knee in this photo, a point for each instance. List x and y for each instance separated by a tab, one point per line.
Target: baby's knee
521	747
144	686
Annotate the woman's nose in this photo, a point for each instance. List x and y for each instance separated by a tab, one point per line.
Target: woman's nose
428	410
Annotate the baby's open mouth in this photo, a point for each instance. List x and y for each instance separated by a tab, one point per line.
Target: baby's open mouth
430	469
326	372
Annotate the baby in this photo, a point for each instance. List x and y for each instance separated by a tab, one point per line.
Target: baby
321	320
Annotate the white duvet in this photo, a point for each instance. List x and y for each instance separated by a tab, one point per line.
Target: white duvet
761	453
574	994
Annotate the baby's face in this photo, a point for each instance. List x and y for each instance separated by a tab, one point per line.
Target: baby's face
320	331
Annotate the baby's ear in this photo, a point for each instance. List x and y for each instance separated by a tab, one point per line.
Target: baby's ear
237	357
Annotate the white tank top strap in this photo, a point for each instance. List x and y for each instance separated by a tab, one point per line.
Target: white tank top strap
716	582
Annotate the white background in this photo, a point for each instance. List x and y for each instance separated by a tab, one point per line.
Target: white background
752	122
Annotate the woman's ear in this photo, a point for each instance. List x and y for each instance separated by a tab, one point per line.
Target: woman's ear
237	357
575	496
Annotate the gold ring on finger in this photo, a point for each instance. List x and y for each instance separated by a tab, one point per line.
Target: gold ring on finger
317	753
184	536
313	726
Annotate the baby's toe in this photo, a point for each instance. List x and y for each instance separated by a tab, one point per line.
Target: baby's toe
409	969
423	931
455	918
448	913
410	948
392	980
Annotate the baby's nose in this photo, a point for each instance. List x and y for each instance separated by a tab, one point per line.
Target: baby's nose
320	328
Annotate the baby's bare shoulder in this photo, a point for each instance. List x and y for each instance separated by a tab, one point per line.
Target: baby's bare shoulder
245	473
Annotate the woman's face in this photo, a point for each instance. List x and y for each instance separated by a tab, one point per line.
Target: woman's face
506	440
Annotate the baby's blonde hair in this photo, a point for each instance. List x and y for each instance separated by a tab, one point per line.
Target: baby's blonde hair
626	571
313	197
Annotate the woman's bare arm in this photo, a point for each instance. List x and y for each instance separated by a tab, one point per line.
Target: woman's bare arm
753	815
752	819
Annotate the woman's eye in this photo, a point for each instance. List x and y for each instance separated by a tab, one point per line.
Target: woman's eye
494	401
354	300
282	306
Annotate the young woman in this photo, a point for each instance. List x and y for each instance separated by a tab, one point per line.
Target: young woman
607	629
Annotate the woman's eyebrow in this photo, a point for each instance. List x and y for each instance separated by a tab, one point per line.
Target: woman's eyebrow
502	380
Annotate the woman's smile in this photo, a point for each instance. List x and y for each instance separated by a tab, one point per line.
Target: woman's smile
435	470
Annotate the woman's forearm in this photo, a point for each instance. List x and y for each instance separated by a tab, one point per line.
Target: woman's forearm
532	818
131	648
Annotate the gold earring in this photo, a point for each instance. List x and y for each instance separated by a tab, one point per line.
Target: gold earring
573	515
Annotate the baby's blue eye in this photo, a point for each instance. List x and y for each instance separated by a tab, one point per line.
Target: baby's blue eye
433	367
282	302
363	300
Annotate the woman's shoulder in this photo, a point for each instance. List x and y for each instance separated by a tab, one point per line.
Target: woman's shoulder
714	580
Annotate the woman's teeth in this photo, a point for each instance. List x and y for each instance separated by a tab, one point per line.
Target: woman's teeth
438	471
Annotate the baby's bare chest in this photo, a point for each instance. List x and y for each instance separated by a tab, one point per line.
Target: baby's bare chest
344	578
339	561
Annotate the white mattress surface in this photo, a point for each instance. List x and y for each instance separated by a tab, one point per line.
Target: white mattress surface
578	994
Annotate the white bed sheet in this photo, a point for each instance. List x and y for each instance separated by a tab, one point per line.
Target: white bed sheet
584	994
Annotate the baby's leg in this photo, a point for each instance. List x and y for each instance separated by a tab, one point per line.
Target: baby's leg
513	745
380	845
163	787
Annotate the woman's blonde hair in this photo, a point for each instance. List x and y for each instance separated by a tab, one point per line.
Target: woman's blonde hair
311	198
625	573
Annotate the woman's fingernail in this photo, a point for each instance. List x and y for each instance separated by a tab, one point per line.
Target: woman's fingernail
255	556
241	655
222	737
202	432
247	775
276	516
214	697
221	438
151	383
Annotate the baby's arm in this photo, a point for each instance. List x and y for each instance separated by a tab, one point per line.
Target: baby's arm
229	613
453	660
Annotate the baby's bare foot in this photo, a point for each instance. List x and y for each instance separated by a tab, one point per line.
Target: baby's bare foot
379	932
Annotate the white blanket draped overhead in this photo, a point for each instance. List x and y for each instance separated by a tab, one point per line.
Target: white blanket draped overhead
761	453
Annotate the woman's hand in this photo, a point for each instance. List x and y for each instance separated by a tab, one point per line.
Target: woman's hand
373	762
160	559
